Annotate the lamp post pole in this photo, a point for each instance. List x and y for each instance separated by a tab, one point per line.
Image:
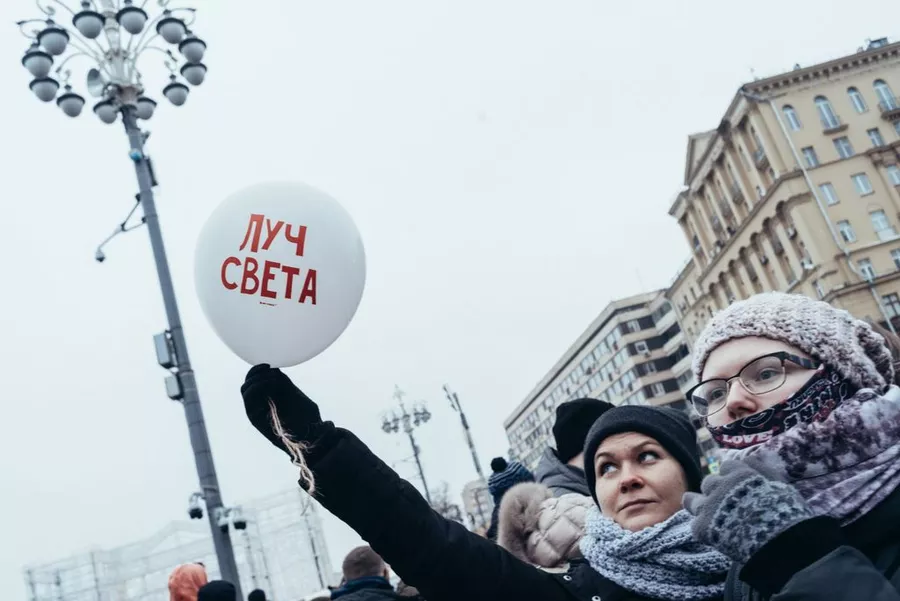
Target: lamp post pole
111	36
408	422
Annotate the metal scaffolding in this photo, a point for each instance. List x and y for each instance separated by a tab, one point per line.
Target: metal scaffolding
282	551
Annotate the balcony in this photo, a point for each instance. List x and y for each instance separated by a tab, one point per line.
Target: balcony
736	194
760	159
890	110
833	125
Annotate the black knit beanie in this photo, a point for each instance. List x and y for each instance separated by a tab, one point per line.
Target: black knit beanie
573	421
217	590
669	427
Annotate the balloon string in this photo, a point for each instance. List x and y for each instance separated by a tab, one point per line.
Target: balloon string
295	449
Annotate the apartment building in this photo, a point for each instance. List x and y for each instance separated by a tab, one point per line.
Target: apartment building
625	356
797	190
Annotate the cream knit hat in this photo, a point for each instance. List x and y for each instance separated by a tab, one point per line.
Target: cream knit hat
830	335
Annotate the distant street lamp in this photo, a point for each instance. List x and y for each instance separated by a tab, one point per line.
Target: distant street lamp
409	421
113	36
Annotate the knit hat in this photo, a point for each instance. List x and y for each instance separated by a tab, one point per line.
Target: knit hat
217	590
257	595
669	427
833	336
505	476
573	421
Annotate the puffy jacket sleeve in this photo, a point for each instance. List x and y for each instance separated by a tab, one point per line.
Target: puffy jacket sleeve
435	555
810	562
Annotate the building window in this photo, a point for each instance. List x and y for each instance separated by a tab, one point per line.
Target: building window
829	193
857	100
633	326
891	304
879	221
826	113
658	389
760	192
866	269
810	156
875	137
641	347
886	99
651	367
793	120
846	231
897	127
893	172
843	147
895	256
862	184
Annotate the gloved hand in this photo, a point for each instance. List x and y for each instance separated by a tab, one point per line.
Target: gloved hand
298	413
743	508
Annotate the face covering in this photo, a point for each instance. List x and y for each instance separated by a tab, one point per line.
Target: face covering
812	403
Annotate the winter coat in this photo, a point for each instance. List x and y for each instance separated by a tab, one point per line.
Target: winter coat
561	478
185	581
439	557
541	529
863	564
366	589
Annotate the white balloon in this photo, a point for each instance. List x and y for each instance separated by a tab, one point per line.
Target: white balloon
280	269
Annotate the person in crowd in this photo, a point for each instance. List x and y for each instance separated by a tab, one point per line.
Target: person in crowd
562	469
365	577
800	396
893	343
505	476
257	595
542	522
408	592
186	580
637	546
217	590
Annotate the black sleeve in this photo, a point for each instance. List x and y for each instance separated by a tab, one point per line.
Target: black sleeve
810	561
435	555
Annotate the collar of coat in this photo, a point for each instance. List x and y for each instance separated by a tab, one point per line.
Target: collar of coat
360	583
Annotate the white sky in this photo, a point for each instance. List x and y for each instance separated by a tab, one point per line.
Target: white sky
510	164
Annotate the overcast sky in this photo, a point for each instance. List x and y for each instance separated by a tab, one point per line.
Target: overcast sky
509	163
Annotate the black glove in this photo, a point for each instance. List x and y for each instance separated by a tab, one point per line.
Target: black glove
298	414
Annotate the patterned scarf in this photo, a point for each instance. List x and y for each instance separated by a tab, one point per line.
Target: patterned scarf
661	561
838	446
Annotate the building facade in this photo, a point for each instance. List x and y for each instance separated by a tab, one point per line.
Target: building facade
478	505
628	355
797	190
282	550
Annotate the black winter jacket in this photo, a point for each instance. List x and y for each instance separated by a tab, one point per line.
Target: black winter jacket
367	591
818	560
439	557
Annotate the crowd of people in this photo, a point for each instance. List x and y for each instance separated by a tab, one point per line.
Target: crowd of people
801	398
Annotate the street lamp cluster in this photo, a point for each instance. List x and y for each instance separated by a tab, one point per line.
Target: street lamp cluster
114	77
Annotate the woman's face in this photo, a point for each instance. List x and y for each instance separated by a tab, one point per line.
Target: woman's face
638	484
727	360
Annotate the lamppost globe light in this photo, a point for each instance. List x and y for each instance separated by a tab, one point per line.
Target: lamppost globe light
54	39
131	18
192	48
89	23
171	29
45	88
176	92
194	73
107	111
145	107
37	61
71	103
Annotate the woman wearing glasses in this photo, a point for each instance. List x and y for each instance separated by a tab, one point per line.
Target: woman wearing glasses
800	396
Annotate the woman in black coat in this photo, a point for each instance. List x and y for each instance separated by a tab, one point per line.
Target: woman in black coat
800	395
639	460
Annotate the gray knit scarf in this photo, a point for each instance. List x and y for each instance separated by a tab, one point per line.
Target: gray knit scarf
845	464
661	561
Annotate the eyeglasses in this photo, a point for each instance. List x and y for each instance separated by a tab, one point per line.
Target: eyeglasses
763	374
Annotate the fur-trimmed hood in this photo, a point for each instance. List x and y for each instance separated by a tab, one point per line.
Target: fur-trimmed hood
539	528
